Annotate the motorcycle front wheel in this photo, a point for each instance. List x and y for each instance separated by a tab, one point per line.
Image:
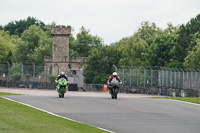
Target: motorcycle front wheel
112	93
115	93
62	90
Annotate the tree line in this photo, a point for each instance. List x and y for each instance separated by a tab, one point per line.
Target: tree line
28	41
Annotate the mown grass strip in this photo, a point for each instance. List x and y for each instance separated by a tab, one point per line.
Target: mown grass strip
5	93
18	118
186	99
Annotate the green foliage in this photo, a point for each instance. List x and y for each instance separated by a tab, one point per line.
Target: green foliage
148	32
193	58
27	75
187	40
5	93
15	68
16	76
7	46
72	47
52	77
3	69
35	44
170	29
174	64
149	46
1	27
99	64
18	27
84	43
160	52
137	46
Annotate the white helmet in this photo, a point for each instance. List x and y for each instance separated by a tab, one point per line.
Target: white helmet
62	73
115	74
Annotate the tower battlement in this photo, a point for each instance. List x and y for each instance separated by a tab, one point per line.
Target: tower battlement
61	30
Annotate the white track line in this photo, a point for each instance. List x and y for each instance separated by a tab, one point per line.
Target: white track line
56	114
183	102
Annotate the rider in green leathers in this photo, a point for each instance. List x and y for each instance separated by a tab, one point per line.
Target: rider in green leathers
62	75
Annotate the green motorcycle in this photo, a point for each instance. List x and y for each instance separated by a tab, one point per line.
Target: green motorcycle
62	86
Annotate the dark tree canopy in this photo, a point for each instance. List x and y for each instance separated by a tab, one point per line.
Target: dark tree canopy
187	40
18	27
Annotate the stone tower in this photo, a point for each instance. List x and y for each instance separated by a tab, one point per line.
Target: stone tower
60	48
60	60
60	45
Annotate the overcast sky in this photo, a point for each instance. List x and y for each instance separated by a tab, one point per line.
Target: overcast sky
110	19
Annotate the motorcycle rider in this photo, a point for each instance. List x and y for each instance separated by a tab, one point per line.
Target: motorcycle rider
114	75
62	75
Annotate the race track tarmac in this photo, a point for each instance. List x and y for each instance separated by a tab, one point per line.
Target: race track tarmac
124	115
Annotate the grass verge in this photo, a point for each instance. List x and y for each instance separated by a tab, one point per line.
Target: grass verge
4	93
186	99
18	118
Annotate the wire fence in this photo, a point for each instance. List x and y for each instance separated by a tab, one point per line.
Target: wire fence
183	78
18	73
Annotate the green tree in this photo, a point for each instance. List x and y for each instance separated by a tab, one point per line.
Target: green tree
187	40
72	46
150	46
18	27
193	58
7	45
148	32
160	52
134	49
170	29
83	43
99	64
137	45
15	68
33	45
44	48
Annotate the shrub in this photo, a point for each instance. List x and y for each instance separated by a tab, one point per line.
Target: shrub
27	75
52	77
16	76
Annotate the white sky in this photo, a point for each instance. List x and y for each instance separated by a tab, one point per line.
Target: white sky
110	19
